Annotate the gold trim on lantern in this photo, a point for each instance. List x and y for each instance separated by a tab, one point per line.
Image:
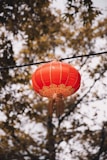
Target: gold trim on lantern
49	91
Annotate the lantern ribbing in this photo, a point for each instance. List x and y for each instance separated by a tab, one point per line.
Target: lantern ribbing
56	78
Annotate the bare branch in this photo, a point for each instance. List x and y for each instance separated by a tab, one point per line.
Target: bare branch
80	100
103	136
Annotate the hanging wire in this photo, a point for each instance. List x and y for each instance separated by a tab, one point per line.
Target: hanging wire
61	59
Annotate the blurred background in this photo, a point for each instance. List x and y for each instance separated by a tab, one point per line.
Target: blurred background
40	30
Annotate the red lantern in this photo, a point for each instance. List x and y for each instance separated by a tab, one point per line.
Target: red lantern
56	80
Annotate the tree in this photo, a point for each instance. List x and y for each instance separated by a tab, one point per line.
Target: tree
26	130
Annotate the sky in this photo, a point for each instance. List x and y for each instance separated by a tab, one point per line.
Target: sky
101	111
101	107
61	4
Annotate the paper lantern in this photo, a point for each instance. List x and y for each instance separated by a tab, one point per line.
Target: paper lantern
56	80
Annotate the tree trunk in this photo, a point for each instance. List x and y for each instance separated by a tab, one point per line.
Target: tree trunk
50	140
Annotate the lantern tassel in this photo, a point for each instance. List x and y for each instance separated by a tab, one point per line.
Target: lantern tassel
50	107
59	105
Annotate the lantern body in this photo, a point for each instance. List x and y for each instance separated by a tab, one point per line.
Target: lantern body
55	78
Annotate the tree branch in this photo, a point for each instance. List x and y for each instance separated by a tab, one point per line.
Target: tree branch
103	136
74	105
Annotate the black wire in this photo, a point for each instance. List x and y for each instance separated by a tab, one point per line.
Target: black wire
61	59
23	65
87	55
